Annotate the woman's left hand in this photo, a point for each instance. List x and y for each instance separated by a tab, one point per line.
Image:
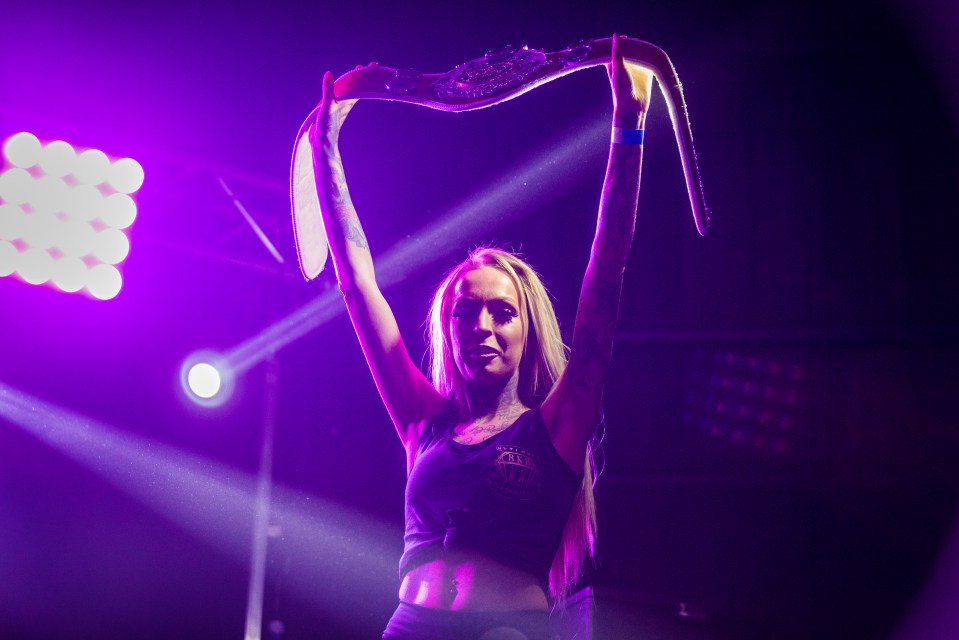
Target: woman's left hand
632	86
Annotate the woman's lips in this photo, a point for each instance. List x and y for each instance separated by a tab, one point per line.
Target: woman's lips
482	353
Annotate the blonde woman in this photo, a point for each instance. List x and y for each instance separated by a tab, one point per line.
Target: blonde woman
499	509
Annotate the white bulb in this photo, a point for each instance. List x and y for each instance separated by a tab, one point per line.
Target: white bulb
22	150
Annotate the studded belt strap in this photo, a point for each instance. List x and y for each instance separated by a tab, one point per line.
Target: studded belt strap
496	77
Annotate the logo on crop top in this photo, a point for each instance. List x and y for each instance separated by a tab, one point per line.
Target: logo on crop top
515	473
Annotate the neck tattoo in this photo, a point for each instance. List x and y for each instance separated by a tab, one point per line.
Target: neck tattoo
486	427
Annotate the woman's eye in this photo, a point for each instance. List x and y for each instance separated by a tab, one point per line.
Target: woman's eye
463	311
503	316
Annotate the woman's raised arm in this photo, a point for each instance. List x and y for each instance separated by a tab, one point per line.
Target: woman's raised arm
574	407
409	397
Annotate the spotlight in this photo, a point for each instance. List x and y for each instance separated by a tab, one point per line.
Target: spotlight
93	167
57	158
204	380
58	202
126	175
207	379
22	150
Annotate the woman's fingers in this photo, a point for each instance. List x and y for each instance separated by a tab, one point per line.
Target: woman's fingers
631	83
328	95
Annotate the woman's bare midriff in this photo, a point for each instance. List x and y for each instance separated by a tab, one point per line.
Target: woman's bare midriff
463	582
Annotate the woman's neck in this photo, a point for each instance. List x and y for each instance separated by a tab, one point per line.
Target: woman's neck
495	404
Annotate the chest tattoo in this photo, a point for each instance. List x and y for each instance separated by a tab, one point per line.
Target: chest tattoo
480	431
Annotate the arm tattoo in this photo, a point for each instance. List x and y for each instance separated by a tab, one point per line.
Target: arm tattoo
590	362
343	204
354	232
593	339
603	297
339	191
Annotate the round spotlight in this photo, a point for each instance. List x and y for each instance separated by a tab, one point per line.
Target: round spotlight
58	158
16	186
104	282
204	380
126	175
69	274
13	221
93	167
51	195
35	266
207	379
119	211
84	203
41	230
22	150
77	239
9	257
111	246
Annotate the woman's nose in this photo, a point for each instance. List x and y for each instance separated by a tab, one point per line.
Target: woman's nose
484	322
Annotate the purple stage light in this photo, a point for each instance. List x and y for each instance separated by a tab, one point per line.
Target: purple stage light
64	215
104	281
204	379
8	258
57	159
125	175
747	400
207	379
22	150
92	168
215	502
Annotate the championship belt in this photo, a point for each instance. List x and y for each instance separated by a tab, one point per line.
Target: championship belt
496	77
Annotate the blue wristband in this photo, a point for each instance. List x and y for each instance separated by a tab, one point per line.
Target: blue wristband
628	136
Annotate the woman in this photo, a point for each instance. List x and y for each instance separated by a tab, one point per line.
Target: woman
499	495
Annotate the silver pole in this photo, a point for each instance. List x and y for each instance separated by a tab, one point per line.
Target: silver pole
261	518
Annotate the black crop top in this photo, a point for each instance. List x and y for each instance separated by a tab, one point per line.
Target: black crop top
507	498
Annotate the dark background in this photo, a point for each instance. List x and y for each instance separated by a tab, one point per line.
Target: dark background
781	447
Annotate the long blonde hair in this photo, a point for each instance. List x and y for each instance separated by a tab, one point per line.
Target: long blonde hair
544	359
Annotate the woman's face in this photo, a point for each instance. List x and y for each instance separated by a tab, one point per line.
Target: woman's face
486	327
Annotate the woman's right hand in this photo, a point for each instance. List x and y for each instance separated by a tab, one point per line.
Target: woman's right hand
330	116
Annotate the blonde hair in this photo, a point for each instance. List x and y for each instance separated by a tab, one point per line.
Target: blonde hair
544	359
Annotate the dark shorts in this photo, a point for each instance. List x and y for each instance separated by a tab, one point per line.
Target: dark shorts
412	622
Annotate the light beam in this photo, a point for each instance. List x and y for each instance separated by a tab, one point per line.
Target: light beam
544	176
341	555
